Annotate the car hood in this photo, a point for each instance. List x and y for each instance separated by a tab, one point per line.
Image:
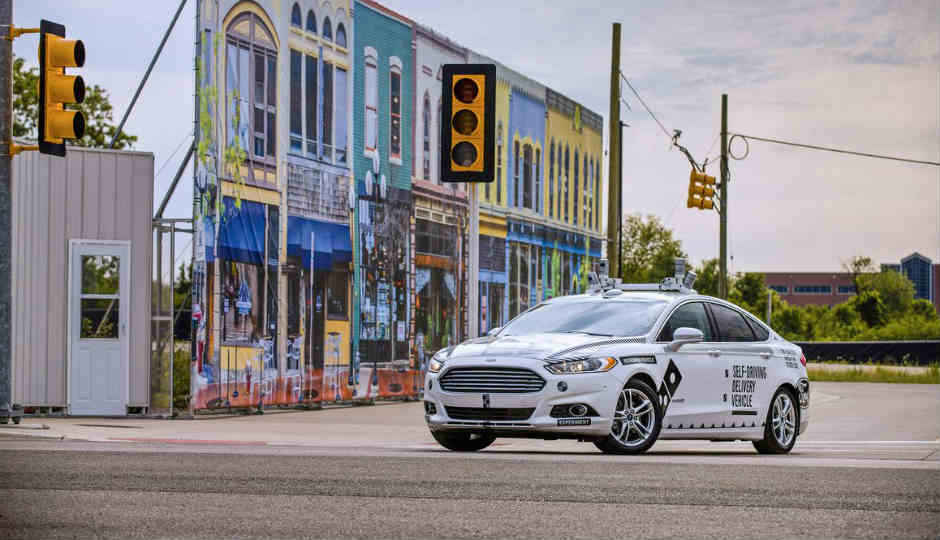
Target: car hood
539	346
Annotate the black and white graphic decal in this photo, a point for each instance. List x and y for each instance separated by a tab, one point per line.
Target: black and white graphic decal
667	389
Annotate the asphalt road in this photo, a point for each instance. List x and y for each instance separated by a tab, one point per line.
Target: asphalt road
869	469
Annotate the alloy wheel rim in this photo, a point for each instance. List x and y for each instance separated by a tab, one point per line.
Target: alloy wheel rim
783	420
634	418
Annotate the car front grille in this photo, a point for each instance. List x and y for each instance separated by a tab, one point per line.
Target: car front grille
479	413
491	380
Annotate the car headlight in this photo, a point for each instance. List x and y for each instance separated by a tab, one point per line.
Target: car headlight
435	365
582	365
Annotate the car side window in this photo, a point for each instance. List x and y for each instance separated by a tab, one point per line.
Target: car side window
691	315
731	324
760	332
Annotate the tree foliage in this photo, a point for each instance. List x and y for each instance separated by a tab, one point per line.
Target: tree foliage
97	108
649	250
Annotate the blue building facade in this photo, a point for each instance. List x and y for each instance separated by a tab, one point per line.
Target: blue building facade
919	270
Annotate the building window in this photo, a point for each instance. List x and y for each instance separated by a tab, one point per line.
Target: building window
582	212
781	289
372	103
589	199
847	289
597	195
812	289
434	238
251	91
499	163
551	180
311	21
515	181
426	134
295	16
440	122
567	179
527	176
296	101
310	103
336	304
538	180
341	35
395	112
327	29
575	192
326	122
339	119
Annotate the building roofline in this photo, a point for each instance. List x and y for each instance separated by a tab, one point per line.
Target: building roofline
386	11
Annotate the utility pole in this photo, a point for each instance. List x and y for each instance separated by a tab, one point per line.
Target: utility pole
6	212
723	265
620	202
613	155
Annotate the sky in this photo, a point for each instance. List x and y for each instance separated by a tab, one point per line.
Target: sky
856	75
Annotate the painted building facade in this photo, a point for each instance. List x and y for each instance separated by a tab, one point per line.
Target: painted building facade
330	261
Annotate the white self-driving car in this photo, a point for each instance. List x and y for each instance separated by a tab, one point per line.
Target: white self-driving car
622	366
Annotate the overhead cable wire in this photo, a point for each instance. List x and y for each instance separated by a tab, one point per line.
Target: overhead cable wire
836	150
180	145
645	106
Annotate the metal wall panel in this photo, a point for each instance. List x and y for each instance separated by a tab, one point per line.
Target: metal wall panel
91	194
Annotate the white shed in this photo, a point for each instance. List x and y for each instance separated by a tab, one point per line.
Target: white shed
82	251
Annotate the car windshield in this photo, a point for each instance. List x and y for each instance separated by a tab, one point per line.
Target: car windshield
605	318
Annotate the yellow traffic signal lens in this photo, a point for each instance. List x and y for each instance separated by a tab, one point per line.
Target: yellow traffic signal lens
466	90
707	204
703	178
66	125
465	122
464	154
65	52
66	88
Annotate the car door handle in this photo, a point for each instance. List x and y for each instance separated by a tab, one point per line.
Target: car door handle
765	355
714	352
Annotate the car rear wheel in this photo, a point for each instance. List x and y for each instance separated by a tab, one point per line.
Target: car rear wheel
783	417
637	421
463	441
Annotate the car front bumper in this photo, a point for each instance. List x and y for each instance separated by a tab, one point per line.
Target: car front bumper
599	391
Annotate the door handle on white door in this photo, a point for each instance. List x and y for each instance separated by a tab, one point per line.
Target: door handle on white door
765	355
714	352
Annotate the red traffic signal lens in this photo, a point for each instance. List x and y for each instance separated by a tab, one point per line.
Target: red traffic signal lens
465	122
464	154
466	90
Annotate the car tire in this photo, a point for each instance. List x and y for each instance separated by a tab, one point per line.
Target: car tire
780	436
650	423
463	441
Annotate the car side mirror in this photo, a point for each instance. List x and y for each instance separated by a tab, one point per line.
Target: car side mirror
494	331
684	336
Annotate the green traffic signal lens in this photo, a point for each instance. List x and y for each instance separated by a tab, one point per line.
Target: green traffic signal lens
464	154
466	90
465	122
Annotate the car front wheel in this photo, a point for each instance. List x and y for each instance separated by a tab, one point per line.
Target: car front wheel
783	417
459	441
637	421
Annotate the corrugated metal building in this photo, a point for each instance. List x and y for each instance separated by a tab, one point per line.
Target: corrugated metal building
82	250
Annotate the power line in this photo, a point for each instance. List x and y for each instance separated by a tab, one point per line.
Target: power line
661	126
839	151
165	163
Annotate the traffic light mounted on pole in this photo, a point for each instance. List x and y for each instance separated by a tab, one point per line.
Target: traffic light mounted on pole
57	89
701	191
468	101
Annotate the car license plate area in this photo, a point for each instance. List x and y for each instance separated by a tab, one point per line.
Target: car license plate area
574	421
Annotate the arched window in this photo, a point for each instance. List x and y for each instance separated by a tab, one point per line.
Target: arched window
327	29
567	178
295	16
575	192
311	22
551	179
426	118
526	176
341	35
251	94
499	162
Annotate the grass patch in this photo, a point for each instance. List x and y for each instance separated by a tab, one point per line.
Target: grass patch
879	374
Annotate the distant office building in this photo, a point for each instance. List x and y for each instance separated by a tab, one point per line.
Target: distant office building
829	289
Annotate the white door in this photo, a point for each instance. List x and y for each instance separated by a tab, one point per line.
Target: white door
99	304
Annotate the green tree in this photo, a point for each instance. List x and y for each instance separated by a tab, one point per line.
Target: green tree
649	250
707	280
895	290
857	266
97	108
750	292
924	309
871	308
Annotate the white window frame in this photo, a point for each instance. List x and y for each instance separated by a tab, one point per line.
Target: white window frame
371	102
395	68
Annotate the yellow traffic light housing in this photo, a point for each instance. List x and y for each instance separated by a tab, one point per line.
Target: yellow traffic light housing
701	191
56	89
468	101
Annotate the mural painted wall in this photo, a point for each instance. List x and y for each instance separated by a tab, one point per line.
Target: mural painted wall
329	261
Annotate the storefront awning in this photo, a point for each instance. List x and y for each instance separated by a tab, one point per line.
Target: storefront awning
241	233
331	242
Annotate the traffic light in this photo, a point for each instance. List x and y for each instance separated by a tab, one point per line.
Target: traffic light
468	100
56	88
701	191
